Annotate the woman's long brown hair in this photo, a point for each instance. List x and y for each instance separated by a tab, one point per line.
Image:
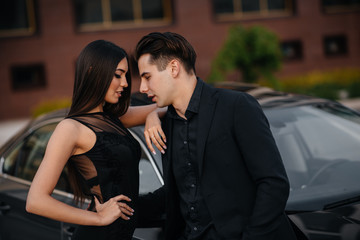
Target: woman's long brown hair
95	69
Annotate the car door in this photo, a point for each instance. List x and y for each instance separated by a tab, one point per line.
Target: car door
150	180
19	165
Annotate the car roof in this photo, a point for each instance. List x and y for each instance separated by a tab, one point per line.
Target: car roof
270	98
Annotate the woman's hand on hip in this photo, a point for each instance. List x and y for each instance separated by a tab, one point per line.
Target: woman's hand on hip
112	209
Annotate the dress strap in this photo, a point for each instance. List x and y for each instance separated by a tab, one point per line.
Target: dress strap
83	121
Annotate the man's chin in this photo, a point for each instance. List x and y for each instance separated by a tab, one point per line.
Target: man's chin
160	104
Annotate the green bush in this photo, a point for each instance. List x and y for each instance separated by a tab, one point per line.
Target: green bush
254	51
50	105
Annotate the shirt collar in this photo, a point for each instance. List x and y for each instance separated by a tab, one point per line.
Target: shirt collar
194	103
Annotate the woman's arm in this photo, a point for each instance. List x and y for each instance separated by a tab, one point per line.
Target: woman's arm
62	144
150	116
136	115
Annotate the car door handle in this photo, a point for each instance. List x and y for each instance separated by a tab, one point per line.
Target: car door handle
4	208
69	230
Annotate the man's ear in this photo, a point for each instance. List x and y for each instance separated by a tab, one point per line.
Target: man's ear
174	67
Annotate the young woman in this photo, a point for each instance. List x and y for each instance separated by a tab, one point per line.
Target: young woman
101	155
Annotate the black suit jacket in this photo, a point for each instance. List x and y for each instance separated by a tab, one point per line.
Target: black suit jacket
242	177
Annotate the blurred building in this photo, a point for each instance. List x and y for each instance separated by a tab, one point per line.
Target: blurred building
40	39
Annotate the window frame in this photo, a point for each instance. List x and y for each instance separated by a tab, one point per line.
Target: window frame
264	11
137	22
336	36
31	19
340	8
300	51
36	68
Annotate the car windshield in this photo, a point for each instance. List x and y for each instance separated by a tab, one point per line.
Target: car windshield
319	145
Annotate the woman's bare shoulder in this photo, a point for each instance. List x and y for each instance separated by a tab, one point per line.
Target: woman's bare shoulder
81	136
68	124
68	128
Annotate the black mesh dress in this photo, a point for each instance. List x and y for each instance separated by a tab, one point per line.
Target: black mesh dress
109	168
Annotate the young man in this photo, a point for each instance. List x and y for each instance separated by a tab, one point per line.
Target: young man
224	177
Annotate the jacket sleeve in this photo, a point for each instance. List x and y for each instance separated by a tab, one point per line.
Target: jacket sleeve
151	209
264	163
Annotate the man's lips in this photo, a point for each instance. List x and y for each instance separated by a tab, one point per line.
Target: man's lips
152	97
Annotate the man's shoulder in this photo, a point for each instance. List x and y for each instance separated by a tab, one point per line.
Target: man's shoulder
229	94
227	97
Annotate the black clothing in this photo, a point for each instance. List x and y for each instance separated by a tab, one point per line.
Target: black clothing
241	175
109	168
185	167
208	234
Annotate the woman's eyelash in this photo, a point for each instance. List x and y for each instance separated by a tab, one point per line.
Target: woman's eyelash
117	75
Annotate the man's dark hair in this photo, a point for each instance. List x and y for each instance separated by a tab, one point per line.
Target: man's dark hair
163	47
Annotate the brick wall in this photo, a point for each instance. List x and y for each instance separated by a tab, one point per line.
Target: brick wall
58	43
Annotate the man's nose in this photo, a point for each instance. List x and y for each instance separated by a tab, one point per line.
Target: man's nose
143	87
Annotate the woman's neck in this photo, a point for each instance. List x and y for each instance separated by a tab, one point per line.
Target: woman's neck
97	109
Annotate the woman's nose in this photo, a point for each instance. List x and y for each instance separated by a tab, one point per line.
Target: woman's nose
123	82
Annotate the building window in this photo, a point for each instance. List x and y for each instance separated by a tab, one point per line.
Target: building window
242	9
92	15
337	6
17	18
335	45
28	76
292	50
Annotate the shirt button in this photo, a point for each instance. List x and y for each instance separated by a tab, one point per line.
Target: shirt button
189	164
192	185
192	208
195	228
185	142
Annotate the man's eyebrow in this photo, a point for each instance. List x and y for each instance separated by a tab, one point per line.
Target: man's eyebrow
144	73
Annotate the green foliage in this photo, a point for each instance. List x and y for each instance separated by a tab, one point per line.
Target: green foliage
51	105
254	51
327	84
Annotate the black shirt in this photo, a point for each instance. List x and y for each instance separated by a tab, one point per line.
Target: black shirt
185	167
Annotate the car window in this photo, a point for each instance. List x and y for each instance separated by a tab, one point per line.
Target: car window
149	181
319	146
23	160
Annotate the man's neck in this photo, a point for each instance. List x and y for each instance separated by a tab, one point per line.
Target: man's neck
186	88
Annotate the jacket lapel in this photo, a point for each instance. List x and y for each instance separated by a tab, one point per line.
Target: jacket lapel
166	158
209	97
